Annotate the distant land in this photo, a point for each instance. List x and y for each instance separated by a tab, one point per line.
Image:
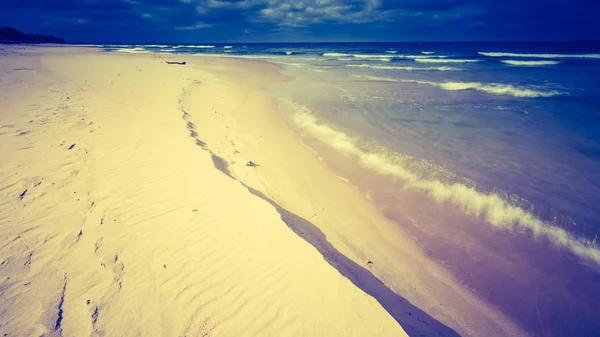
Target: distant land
11	35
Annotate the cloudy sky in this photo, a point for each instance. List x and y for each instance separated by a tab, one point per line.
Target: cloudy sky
191	21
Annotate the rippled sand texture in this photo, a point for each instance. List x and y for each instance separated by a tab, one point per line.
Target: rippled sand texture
116	220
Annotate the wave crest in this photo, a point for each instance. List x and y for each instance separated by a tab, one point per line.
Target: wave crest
492	88
194	46
335	55
438	60
493	209
401	67
136	50
541	56
530	63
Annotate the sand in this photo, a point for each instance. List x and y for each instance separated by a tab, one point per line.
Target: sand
127	207
126	227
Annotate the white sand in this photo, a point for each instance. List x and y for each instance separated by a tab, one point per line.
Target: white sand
246	125
132	231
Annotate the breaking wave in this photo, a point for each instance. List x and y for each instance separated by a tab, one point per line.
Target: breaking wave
193	46
136	50
401	68
156	46
336	55
530	63
375	78
228	47
492	208
427	52
377	56
492	88
440	60
541	56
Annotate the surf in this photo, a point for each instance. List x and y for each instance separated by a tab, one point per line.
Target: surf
495	211
544	56
530	63
407	68
491	88
442	60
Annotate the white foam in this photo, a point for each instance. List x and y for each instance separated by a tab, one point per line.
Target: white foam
289	52
492	88
156	46
375	78
427	52
402	68
391	51
396	56
386	56
541	56
377	59
442	60
228	47
135	50
496	212
335	55
195	46
530	63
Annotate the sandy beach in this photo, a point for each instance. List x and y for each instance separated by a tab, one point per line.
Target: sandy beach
140	198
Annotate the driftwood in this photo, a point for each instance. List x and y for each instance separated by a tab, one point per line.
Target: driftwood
174	62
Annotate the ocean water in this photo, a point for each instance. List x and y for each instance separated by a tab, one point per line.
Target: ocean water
487	153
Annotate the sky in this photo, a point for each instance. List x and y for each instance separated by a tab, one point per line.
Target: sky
193	21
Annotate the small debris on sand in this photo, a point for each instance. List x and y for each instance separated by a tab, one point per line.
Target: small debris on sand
174	62
71	147
22	195
250	163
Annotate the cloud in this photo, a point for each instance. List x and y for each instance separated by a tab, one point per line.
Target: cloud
322	19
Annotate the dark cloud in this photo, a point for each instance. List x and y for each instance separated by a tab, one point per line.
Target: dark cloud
270	20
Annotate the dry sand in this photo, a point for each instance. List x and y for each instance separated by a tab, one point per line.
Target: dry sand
127	229
127	208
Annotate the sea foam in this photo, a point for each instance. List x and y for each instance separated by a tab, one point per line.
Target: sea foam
195	46
335	55
530	63
375	78
136	50
370	66
492	208
492	88
442	60
541	56
377	56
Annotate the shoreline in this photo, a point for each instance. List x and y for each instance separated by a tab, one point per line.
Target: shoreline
145	173
364	235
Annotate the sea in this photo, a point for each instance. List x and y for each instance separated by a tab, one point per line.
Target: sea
487	153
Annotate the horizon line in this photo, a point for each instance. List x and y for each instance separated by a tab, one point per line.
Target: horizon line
331	42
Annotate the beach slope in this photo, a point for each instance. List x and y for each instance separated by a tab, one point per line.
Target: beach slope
116	219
